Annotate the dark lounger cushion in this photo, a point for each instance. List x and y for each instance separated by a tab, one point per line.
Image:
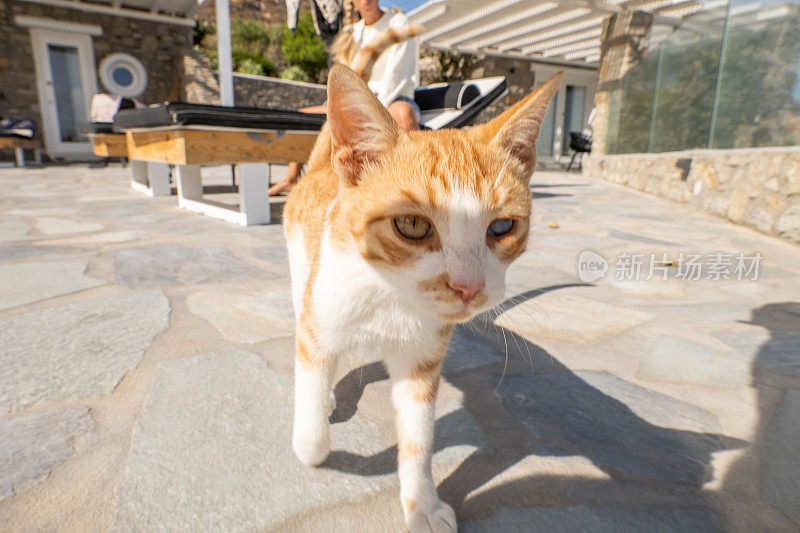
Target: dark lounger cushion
97	127
455	95
183	114
23	127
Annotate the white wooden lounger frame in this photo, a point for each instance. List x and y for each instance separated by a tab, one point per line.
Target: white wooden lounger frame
152	150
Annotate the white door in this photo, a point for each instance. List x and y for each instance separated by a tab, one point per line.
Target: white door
65	74
568	111
575	110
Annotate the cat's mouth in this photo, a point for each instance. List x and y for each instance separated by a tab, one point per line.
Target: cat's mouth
462	316
462	312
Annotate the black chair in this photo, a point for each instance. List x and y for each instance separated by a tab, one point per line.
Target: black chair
579	143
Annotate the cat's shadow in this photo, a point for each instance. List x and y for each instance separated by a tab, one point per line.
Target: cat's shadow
551	412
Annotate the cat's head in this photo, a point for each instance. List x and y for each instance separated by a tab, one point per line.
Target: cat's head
440	215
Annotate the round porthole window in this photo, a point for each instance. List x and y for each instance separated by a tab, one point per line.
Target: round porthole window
123	74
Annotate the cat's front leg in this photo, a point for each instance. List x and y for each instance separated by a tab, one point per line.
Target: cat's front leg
414	387
313	396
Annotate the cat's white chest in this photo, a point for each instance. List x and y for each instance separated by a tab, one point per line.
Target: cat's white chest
357	311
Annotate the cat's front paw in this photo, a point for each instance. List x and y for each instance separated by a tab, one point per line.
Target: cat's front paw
312	450
436	518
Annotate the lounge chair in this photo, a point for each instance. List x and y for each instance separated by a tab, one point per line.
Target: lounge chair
18	133
191	135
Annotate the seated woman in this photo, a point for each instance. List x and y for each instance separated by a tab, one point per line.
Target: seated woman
394	76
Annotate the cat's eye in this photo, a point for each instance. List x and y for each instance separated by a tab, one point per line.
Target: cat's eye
413	227
499	227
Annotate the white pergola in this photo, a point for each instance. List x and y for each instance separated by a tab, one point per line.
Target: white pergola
558	31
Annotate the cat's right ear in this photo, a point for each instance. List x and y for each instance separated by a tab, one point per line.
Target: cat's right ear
515	130
361	128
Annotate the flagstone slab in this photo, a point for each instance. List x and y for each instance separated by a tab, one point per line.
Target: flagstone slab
617	425
32	444
173	264
13	230
781	353
643	239
116	210
245	315
675	360
468	351
63	226
44	211
273	254
212	451
561	316
724	311
76	351
780	457
23	283
24	251
748	343
594	518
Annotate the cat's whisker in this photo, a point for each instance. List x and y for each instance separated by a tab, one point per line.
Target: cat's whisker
505	362
545	333
514	337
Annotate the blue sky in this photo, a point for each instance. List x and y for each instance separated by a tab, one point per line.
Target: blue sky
405	5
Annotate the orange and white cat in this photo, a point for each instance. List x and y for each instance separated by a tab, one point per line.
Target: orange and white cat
400	237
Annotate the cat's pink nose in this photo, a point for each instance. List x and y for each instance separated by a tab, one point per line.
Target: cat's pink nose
467	291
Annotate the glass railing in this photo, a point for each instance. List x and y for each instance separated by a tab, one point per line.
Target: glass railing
725	77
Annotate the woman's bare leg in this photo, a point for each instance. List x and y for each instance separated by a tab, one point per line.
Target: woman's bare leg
286	184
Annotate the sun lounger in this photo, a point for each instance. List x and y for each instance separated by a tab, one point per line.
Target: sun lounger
19	145
456	104
147	177
191	135
105	142
18	133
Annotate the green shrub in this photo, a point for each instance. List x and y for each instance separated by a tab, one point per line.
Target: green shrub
304	48
250	63
248	66
294	73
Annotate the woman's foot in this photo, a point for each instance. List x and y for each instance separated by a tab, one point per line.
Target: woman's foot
283	186
288	182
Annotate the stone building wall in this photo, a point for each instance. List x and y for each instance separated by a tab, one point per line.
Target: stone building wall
159	46
274	93
759	188
519	79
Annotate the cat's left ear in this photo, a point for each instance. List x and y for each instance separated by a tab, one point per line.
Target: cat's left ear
515	131
361	128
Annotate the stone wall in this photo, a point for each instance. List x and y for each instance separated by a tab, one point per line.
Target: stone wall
275	93
271	11
759	188
159	46
200	83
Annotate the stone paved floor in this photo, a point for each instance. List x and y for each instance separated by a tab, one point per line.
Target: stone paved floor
146	360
